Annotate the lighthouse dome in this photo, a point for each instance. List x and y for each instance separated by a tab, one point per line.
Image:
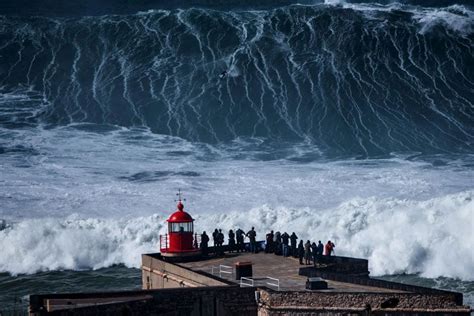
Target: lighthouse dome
180	216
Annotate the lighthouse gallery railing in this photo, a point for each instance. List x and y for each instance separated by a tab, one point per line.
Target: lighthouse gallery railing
165	242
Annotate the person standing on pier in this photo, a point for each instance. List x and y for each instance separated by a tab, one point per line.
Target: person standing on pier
314	252
307	252
240	240
301	251
329	248
220	239
277	243
269	242
277	237
214	238
320	248
293	239
284	244
231	241
252	235
204	243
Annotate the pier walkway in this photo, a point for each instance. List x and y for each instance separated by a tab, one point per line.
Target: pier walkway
284	269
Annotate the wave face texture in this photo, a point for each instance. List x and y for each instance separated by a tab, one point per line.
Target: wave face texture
352	79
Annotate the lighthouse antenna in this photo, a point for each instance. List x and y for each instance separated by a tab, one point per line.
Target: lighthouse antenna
179	195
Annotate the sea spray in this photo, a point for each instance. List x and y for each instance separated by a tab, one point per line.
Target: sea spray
49	244
397	236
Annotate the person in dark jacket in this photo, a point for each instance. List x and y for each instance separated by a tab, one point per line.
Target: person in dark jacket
301	251
239	234
231	241
220	240
284	242
204	243
252	235
293	239
269	242
314	252
277	244
320	248
214	237
277	237
307	252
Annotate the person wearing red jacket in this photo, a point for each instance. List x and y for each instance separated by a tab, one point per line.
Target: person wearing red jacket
329	248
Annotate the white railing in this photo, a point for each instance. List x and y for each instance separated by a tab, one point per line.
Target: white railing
164	242
225	269
274	282
246	282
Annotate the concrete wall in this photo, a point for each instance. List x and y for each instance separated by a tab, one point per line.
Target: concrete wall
330	303
345	265
186	292
159	274
314	272
205	301
233	300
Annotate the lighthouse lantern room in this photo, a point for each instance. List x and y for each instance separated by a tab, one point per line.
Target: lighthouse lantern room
180	241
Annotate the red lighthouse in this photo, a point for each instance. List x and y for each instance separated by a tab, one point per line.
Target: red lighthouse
180	241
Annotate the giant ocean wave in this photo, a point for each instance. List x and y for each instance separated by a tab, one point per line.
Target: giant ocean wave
353	79
104	116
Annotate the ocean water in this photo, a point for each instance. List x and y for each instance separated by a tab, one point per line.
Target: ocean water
342	120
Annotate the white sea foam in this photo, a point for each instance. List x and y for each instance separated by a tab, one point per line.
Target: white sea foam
334	2
77	199
432	237
456	17
36	245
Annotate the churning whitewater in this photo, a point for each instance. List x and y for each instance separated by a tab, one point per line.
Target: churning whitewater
427	238
345	121
85	197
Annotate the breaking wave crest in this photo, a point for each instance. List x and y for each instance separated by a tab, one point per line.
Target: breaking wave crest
397	236
36	245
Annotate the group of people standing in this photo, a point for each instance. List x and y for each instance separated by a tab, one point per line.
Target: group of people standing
280	244
285	245
235	241
313	252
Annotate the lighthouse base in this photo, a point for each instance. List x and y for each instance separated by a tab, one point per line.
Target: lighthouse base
182	256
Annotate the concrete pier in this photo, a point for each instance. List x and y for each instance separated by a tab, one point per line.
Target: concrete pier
277	286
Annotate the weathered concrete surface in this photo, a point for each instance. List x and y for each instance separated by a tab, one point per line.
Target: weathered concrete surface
196	288
159	274
203	301
357	300
57	304
377	283
270	265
